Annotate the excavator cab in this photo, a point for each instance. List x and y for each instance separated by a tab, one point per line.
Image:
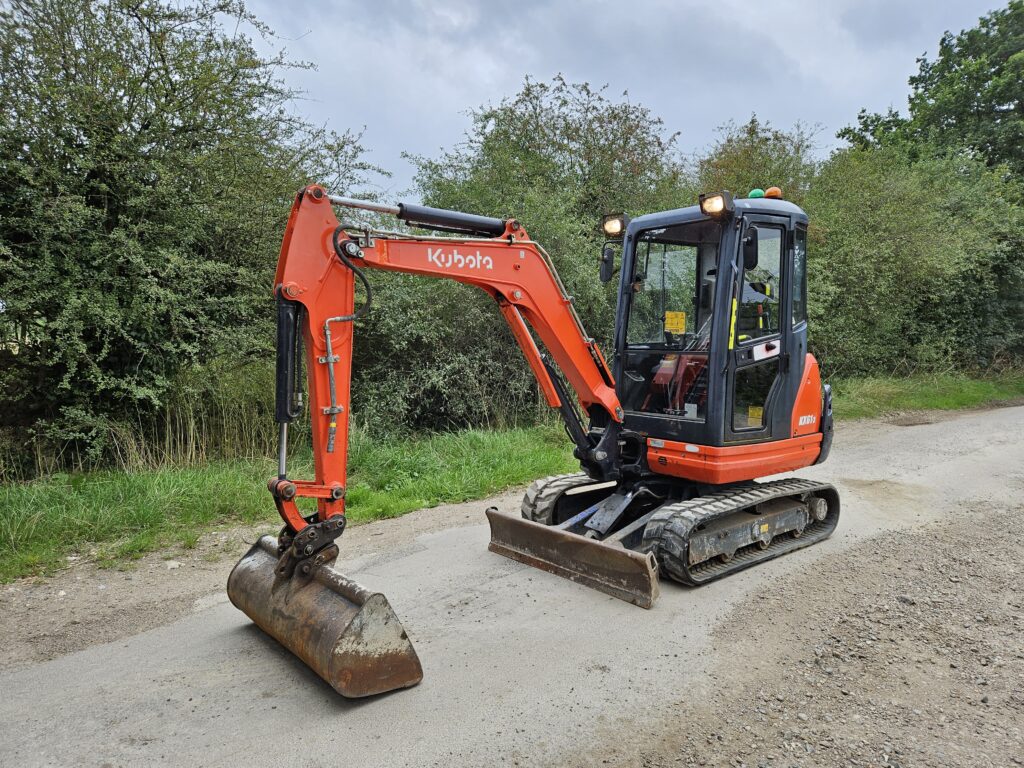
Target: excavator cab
711	332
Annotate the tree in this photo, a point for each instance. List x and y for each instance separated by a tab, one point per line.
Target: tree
147	162
970	96
757	155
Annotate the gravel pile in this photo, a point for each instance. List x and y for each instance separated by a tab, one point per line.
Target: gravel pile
907	650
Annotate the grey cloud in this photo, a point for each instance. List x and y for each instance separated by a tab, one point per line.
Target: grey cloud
409	71
879	23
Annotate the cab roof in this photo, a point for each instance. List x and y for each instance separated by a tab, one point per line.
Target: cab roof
766	205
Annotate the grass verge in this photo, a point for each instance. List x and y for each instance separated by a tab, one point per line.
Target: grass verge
872	397
118	516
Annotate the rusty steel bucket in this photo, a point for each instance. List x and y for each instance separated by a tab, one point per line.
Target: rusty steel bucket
609	567
348	635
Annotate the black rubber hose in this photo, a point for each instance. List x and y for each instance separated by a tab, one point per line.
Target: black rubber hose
359	273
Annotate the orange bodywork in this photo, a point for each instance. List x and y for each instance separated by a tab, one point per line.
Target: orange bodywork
732	463
511	268
807	406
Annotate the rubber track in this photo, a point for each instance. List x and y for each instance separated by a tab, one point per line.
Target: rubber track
668	531
541	497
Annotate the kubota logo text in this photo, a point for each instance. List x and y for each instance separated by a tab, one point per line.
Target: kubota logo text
456	259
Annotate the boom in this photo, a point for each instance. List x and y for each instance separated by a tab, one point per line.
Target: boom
315	288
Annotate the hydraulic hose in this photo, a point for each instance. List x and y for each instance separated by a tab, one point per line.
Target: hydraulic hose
330	357
340	252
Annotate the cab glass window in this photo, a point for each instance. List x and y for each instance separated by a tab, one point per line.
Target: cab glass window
800	277
758	309
671	311
750	398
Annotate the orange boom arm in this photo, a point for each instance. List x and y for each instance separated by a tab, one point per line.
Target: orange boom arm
315	286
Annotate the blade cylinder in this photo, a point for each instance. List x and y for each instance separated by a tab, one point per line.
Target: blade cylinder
345	633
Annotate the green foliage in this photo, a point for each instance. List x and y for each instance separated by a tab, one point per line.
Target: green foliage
972	94
564	140
147	161
913	264
116	515
873	396
874	129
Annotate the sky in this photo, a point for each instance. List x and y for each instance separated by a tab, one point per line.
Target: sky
407	73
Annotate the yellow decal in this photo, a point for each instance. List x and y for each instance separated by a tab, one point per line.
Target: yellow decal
675	322
764	527
755	415
732	325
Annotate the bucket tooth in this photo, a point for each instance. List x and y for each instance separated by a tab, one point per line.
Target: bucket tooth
345	633
623	573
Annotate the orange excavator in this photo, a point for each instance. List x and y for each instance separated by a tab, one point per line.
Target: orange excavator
711	387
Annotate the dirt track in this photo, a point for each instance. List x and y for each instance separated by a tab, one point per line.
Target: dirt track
900	641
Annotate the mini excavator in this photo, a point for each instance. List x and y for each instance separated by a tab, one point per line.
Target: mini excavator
711	387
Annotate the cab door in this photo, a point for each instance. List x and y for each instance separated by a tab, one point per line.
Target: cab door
758	354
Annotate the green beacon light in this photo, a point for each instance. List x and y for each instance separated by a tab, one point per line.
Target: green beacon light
756	192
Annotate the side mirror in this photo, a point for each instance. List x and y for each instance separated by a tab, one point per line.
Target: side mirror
607	263
750	248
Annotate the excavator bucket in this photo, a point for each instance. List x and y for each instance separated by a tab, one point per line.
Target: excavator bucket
609	567
348	635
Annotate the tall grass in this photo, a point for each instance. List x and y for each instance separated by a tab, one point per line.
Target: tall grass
118	514
220	412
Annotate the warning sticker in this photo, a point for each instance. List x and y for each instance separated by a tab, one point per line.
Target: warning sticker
675	322
755	416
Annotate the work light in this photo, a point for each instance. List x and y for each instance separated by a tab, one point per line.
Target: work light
614	225
717	205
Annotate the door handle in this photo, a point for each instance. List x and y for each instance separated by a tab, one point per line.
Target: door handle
770	347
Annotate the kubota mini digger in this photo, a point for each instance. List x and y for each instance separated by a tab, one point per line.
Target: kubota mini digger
711	387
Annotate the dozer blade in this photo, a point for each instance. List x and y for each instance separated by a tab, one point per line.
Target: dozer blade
625	574
348	635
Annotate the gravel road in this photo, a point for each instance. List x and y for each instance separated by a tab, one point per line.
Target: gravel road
896	642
